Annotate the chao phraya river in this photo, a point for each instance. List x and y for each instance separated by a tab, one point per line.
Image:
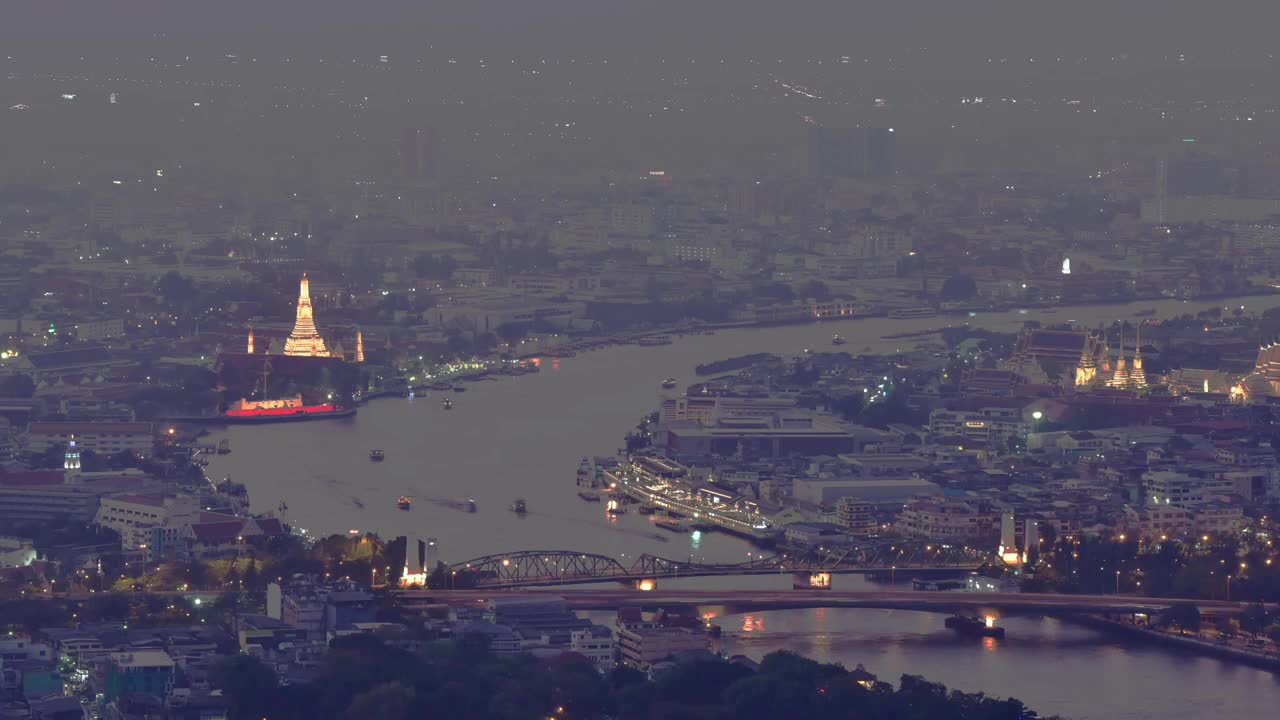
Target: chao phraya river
524	437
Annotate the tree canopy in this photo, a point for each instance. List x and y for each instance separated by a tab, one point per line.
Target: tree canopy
363	677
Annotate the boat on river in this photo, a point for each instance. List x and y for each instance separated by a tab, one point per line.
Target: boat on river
669	383
912	313
447	404
404	503
837	340
376	455
519	506
672	526
589	496
974	627
586	473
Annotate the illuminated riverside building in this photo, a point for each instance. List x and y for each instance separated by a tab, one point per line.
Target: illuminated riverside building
1264	381
304	340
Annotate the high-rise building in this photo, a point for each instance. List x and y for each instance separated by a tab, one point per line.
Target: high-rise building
418	154
856	153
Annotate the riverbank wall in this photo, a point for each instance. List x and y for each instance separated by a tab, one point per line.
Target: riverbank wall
1256	658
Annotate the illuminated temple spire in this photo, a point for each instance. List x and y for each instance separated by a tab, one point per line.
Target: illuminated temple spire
359	346
1137	376
304	340
1121	377
1087	370
250	350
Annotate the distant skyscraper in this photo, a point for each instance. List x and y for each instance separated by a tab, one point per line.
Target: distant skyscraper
860	153
418	154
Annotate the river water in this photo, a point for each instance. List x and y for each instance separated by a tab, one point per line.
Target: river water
524	437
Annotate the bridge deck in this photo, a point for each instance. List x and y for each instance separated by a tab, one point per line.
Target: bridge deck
591	599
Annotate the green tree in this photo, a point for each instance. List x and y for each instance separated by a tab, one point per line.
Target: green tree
958	287
176	289
388	701
247	682
1182	615
1254	619
17	385
511	332
54	456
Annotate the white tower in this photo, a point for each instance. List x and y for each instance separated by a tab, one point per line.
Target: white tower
431	557
414	574
1030	537
1008	540
71	459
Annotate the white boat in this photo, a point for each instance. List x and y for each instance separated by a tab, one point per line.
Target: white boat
912	313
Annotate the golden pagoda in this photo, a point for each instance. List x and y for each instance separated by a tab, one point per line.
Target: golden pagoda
1137	376
250	350
359	346
1087	370
304	341
1121	377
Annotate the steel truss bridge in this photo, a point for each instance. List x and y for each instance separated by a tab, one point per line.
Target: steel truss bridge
534	568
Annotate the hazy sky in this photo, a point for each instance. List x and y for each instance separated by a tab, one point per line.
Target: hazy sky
688	27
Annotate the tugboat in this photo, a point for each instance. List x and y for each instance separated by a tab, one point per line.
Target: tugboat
404	503
519	507
447	404
669	383
837	340
376	455
589	496
974	627
471	505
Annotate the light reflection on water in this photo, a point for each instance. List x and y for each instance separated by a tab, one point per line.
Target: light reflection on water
1053	666
524	438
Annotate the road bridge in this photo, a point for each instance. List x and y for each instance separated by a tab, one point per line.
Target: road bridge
540	568
756	600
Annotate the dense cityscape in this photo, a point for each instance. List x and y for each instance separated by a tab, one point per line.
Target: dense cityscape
558	362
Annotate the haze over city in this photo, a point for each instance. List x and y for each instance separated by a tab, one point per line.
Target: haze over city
639	359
